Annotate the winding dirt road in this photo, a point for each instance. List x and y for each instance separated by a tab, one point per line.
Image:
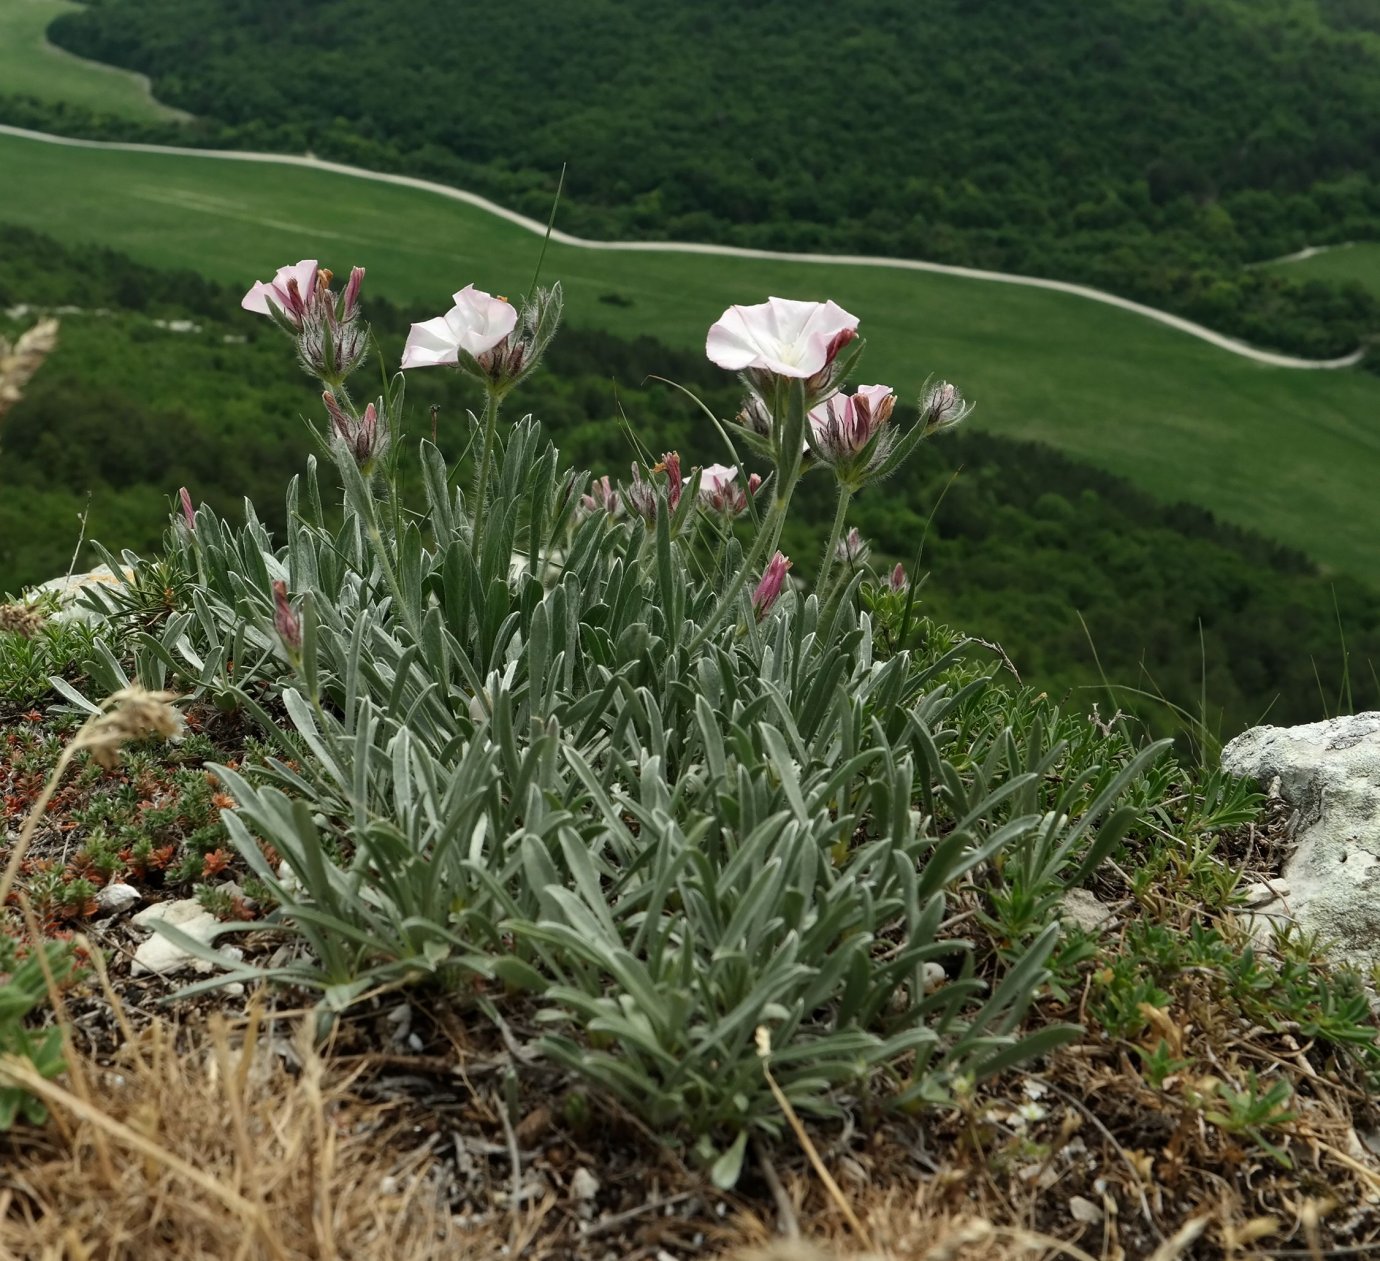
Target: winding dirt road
1266	357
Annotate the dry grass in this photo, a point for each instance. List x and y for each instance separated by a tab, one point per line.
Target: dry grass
235	1146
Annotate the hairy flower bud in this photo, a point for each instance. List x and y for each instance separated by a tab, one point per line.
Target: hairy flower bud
188	511
943	407
285	619
898	582
362	436
769	587
670	465
602	497
852	549
641	496
851	432
754	416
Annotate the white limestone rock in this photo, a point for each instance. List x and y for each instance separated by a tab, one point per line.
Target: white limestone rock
163	956
1330	772
68	591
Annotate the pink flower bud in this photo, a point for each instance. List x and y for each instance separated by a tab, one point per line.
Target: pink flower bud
769	588
360	436
285	620
602	497
898	581
188	512
670	463
349	304
852	549
845	427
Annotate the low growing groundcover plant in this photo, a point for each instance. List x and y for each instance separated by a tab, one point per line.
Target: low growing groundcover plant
583	751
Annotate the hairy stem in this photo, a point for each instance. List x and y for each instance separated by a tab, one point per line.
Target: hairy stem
831	547
481	473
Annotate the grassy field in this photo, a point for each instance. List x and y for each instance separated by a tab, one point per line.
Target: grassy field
30	66
1295	454
1347	262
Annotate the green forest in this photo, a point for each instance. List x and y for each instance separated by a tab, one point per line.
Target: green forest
1151	149
1072	570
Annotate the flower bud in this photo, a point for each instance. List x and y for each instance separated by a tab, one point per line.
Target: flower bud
898	582
362	436
188	511
641	496
943	407
852	549
755	417
852	433
349	302
602	497
769	587
670	465
285	619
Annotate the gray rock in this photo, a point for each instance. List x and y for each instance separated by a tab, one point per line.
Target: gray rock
1329	771
1085	909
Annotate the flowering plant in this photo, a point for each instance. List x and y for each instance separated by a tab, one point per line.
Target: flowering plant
587	742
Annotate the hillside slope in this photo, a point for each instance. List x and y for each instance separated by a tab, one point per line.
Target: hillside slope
1150	148
1017	539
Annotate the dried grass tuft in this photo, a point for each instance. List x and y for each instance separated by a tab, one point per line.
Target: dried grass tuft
244	1147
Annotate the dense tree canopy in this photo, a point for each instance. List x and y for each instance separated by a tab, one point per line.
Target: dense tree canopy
1151	147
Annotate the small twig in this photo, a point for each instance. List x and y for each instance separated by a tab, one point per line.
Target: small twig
787	1223
1369	1175
652	1206
515	1194
835	1191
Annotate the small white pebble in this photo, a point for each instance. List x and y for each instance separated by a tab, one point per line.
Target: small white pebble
117	897
583	1184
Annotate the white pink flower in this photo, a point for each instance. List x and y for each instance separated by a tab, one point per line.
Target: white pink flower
290	292
474	326
719	490
780	336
